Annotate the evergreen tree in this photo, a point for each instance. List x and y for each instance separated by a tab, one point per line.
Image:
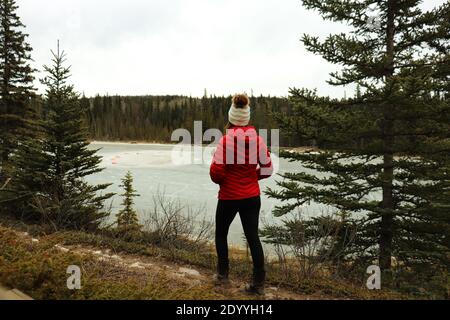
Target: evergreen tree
127	219
387	148
16	85
50	171
153	118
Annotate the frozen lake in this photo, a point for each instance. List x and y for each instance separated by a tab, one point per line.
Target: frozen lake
153	169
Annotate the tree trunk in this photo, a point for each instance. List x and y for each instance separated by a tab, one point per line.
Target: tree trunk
4	96
387	217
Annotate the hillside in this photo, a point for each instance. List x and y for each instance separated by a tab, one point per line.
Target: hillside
115	269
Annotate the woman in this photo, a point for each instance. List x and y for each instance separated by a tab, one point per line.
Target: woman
240	161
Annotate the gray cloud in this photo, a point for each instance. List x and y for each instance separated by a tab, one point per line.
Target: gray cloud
181	46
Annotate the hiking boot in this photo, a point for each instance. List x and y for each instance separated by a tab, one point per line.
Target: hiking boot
221	277
221	280
256	289
257	285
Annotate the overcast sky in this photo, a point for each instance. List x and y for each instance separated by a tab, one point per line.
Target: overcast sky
137	47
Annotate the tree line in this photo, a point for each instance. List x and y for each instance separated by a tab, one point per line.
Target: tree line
154	118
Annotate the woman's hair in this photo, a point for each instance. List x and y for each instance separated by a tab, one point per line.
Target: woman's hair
227	126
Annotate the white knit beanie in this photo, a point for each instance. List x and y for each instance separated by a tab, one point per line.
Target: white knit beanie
239	116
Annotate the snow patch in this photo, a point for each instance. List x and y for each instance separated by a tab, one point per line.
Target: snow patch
61	248
137	265
190	272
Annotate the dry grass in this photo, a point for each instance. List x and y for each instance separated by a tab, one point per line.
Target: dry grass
39	270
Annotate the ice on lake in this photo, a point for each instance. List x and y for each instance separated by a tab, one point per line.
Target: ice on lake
153	170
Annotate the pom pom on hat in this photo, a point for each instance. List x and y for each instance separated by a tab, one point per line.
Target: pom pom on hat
239	113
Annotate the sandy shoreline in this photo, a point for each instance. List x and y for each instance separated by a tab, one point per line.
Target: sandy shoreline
132	143
162	144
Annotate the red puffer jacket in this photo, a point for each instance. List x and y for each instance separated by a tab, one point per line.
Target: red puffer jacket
240	161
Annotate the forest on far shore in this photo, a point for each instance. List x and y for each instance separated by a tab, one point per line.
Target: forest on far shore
154	118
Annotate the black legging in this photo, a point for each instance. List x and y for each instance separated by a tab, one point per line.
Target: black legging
249	212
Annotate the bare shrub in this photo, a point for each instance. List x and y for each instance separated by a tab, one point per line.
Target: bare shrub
173	224
311	246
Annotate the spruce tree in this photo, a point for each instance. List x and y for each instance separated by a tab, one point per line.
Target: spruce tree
51	170
386	150
16	87
127	219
